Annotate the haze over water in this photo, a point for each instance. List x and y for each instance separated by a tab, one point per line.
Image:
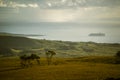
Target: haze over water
68	31
67	20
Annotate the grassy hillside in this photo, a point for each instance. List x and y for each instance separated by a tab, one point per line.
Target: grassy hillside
81	48
62	48
84	68
17	42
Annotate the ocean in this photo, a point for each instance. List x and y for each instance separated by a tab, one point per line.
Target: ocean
67	32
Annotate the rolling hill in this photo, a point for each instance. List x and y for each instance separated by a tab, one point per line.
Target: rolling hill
16	42
62	48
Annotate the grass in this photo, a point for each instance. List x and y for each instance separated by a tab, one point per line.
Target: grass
85	68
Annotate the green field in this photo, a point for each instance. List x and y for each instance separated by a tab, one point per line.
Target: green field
82	68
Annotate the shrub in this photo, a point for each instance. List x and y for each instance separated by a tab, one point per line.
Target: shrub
117	60
118	54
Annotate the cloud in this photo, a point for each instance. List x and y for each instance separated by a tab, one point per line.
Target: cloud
18	4
33	5
2	4
60	10
59	4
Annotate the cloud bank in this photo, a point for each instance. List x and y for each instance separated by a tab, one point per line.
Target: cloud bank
60	10
59	3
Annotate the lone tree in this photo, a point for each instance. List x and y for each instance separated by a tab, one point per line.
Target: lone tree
117	58
49	55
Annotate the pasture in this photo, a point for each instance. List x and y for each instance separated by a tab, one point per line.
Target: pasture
84	68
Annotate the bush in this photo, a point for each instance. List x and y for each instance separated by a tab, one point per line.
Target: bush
117	60
111	78
118	54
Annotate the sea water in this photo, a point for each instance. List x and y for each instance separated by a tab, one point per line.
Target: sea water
67	32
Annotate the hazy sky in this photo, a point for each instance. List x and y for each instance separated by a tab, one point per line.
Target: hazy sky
60	11
61	19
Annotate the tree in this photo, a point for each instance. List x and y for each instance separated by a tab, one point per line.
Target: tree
36	57
49	55
117	61
26	60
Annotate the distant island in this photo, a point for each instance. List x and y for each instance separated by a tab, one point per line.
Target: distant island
96	34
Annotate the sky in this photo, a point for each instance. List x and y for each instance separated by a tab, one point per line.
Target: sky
59	13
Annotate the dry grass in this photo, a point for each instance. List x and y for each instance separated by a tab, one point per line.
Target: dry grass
60	69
